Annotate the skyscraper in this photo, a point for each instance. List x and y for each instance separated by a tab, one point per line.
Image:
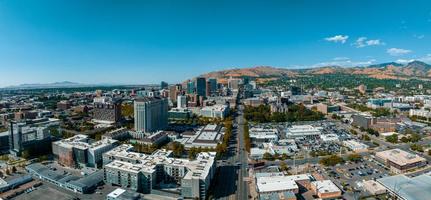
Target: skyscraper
201	84
213	85
163	85
190	87
181	101
151	114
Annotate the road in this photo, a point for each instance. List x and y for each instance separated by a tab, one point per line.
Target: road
241	158
229	183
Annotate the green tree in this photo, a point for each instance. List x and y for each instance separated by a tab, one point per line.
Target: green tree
392	138
267	156
331	160
354	157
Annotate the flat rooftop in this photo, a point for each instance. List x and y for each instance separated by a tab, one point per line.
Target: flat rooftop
416	188
325	186
400	157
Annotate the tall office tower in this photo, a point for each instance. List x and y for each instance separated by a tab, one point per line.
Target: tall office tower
233	83
106	110
190	87
151	114
213	85
201	85
174	91
207	89
163	85
181	101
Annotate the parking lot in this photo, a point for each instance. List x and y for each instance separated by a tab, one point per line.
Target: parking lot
350	175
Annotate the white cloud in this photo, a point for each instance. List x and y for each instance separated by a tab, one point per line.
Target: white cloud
397	51
404	61
338	38
344	63
363	42
419	36
341	58
426	58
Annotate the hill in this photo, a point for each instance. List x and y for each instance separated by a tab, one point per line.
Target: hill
391	70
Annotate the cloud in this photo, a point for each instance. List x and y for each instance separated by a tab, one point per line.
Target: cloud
338	38
344	63
340	58
364	42
419	36
397	51
426	58
404	61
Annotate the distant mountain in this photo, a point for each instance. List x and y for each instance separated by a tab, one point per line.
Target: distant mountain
63	84
390	70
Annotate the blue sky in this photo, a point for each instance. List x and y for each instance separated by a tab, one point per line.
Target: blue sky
125	41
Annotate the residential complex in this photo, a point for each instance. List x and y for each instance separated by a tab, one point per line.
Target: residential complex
143	173
81	151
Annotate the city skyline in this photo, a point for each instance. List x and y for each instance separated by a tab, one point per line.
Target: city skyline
145	42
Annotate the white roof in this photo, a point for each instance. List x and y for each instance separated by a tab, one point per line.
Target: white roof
275	182
116	193
325	186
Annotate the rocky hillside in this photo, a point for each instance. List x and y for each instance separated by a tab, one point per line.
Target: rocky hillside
390	70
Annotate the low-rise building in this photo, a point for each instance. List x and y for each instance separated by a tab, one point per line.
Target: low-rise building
403	187
303	131
263	135
205	137
400	161
325	189
374	187
215	111
355	145
122	194
270	183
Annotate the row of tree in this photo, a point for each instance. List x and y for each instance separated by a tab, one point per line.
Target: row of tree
333	160
262	114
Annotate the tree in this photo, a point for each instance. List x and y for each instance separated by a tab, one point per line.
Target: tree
283	166
177	149
429	152
365	137
414	137
331	160
404	139
354	157
417	147
353	132
267	156
392	138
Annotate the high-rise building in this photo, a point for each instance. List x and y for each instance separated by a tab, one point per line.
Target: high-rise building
80	150
151	114
106	110
201	85
190	87
23	136
174	91
164	85
182	101
233	83
213	85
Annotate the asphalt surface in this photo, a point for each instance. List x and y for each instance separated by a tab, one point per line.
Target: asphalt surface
229	183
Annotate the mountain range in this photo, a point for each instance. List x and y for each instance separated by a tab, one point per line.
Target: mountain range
391	70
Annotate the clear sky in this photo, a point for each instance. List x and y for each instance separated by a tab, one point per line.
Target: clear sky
125	41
